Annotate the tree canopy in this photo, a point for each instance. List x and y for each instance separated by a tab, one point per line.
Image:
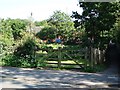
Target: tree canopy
97	18
62	22
41	23
47	33
13	27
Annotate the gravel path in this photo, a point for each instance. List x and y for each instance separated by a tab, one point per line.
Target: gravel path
33	78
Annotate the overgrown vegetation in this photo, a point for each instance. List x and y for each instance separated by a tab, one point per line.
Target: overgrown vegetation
21	47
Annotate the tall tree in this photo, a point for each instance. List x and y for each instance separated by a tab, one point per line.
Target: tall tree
97	18
62	22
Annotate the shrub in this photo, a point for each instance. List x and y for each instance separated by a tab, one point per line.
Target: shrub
10	60
15	61
47	33
26	50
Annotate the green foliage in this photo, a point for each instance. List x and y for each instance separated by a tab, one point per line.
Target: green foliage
6	39
26	49
5	45
41	61
63	23
77	37
13	28
5	42
24	55
116	32
47	33
97	18
5	28
15	61
11	60
41	23
18	26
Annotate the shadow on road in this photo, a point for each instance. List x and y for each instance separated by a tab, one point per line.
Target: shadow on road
33	78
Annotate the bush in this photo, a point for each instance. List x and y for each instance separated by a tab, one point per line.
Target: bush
26	50
23	54
10	60
5	46
47	33
5	42
15	61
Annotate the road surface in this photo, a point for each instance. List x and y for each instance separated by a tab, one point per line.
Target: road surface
13	77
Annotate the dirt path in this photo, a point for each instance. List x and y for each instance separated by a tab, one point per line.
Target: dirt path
33	78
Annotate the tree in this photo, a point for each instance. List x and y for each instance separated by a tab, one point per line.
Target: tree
116	31
47	33
5	28
13	27
18	26
6	37
97	18
41	23
63	23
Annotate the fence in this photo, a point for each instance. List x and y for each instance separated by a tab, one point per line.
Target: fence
88	56
74	57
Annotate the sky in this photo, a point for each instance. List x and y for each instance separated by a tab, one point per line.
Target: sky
41	9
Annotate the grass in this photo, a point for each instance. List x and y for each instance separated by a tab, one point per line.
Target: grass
67	61
95	68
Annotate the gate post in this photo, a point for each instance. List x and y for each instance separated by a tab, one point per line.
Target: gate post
86	57
59	57
91	57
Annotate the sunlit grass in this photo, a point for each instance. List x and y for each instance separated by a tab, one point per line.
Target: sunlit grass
68	61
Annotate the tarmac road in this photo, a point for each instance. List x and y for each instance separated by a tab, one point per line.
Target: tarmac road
13	77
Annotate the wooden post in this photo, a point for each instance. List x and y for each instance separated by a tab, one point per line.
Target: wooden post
102	56
89	54
92	54
59	57
86	55
97	56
